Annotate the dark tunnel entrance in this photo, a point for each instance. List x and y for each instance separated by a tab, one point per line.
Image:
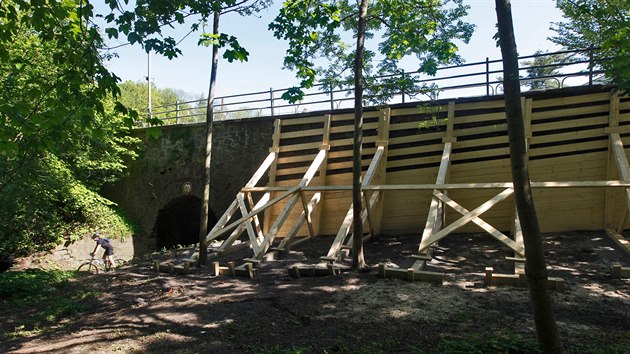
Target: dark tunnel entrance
178	223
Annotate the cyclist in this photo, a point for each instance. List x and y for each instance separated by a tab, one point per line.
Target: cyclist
108	255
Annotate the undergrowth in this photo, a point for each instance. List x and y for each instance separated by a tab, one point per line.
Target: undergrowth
45	297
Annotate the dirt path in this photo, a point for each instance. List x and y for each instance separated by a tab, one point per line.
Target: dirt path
138	310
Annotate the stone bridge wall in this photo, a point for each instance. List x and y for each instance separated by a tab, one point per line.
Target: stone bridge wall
167	165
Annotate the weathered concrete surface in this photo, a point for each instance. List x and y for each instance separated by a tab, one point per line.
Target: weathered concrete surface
171	167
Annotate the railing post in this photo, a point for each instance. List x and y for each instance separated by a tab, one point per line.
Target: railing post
403	90
487	76
332	100
271	99
176	111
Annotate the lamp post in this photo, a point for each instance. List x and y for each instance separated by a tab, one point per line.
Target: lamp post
149	84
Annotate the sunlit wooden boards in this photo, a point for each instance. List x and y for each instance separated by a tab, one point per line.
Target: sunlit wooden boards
568	134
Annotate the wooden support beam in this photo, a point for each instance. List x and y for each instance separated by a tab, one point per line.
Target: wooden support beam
248	223
346	225
255	219
344	231
449	186
517	248
619	272
619	240
410	274
613	124
256	211
623	167
282	217
450	124
271	180
519	280
287	240
319	210
227	215
466	218
433	218
382	140
367	180
519	259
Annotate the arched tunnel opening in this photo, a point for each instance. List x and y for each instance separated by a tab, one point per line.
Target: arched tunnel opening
178	223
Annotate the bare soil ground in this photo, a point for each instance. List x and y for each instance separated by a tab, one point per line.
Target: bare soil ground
138	310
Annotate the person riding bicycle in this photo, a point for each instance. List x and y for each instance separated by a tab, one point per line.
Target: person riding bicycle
108	255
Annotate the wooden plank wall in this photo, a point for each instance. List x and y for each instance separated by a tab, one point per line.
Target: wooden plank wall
568	142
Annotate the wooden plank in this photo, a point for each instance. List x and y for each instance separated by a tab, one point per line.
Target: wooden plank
619	240
350	116
410	274
317	217
623	167
416	125
567	136
568	113
350	128
528	117
413	111
301	134
568	148
300	147
304	120
382	140
448	186
271	177
481	117
542	127
613	122
466	218
571	100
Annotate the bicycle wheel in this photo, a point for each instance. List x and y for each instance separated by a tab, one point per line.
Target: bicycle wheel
88	268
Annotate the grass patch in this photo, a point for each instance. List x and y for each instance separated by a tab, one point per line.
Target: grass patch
41	299
502	342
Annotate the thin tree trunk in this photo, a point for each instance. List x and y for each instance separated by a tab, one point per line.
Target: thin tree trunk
205	203
535	264
358	261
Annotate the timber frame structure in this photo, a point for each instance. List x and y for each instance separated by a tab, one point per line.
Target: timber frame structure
433	169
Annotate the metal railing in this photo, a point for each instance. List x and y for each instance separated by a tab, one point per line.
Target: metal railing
466	80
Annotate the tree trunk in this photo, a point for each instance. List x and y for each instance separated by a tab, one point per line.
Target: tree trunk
205	203
358	262
535	264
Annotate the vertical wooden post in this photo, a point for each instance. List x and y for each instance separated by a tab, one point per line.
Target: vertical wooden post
611	171
319	208
275	147
382	140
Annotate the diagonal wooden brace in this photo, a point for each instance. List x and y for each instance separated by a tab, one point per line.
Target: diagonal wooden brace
517	248
466	218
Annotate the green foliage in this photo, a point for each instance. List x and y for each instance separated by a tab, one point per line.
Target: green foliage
317	32
544	66
62	132
45	294
143	23
30	284
603	26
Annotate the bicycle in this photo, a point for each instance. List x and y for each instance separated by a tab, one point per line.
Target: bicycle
94	264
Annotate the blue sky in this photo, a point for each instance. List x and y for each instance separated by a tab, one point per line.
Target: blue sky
190	72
